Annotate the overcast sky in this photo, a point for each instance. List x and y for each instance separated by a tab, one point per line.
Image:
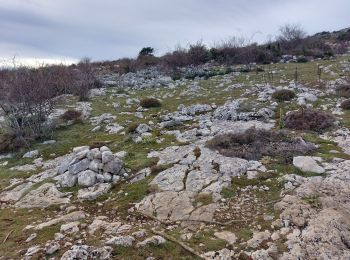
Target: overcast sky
110	29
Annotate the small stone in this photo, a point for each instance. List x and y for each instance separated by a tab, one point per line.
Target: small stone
125	241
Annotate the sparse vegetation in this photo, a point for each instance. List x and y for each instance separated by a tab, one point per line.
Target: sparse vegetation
307	119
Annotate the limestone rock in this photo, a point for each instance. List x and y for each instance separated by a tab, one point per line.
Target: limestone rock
154	240
227	236
87	178
93	192
44	196
307	164
125	241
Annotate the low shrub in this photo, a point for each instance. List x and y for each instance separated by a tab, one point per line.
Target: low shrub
343	91
71	114
150	102
345	104
254	144
302	59
307	119
283	95
132	128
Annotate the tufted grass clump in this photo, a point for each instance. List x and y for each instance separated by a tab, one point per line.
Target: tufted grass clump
308	119
150	102
283	95
345	104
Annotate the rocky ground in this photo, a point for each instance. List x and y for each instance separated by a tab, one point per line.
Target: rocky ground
126	182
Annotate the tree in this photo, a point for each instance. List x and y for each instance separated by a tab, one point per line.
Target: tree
146	51
290	33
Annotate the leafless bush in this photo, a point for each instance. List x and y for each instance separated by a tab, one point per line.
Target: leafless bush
291	34
253	144
176	59
9	143
27	100
307	119
84	79
197	54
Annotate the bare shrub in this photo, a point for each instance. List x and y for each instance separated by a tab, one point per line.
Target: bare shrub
253	144
27	100
176	59
150	102
198	54
71	114
9	143
345	104
290	35
307	119
283	95
84	79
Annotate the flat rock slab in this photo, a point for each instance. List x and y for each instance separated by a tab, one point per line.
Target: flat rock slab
16	193
175	206
44	196
171	179
71	217
196	170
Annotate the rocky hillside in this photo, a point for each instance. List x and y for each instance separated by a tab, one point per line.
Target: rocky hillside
226	163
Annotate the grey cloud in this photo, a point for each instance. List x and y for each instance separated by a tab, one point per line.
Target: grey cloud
108	29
